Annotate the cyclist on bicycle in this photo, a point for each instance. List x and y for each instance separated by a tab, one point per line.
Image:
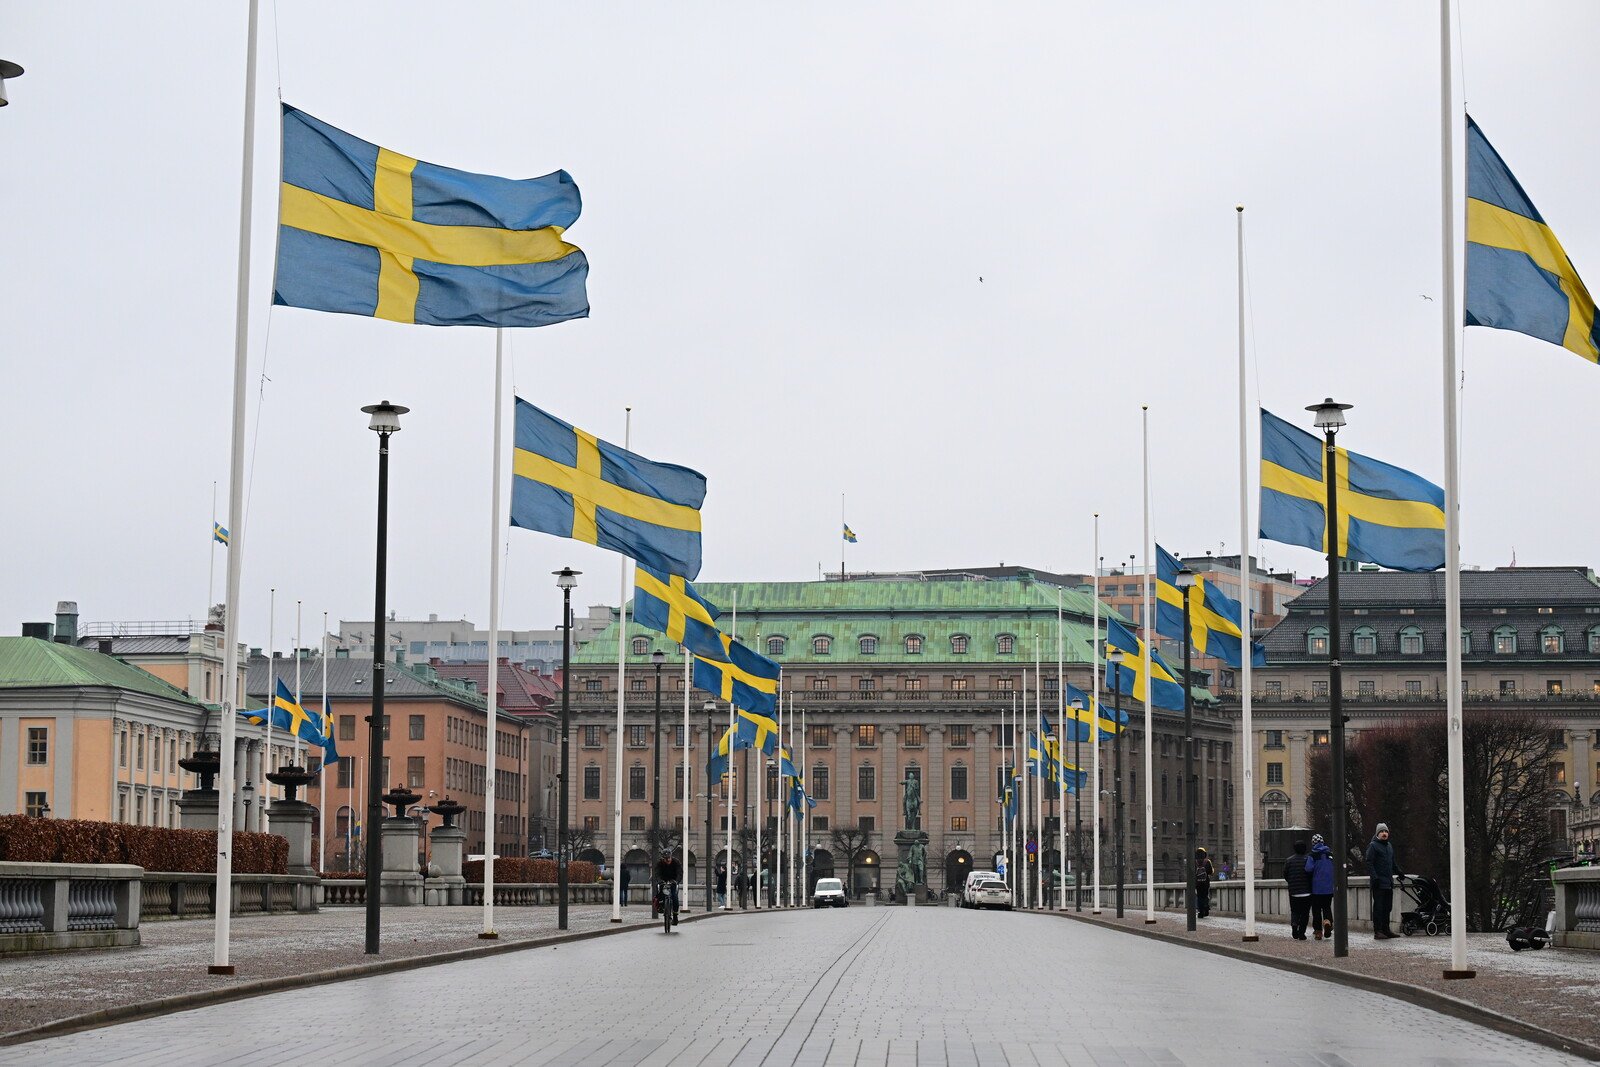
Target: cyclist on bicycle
669	872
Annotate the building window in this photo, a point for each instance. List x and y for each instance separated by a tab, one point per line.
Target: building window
819	823
868	824
636	783
819	782
416	772
1319	738
591	685
869	645
33	805
912	687
38	745
1319	688
912	736
1366	688
591	823
1556	774
1005	644
1274	739
866	736
677	736
775	646
958	645
1411	641
1317	641
1552	687
591	782
1274	818
958	689
821	646
1508	687
1005	685
821	736
1274	774
1275	689
1466	641
1366	641
959	736
1594	640
636	822
914	645
638	736
867	687
417	727
820	685
1505	640
1414	686
866	783
958	823
1552	641
591	737
958	782
641	646
346	772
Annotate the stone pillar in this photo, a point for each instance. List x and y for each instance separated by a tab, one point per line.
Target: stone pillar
844	780
985	810
197	810
935	787
1296	782
292	819
401	884
445	884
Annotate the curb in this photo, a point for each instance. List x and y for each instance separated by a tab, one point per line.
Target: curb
95	1020
1424	998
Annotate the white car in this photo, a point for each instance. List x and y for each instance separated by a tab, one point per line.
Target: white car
973	879
992	893
829	894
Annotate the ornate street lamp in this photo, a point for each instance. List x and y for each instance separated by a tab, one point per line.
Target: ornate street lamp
1185	583
566	579
658	658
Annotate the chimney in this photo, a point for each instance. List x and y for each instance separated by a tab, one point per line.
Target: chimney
44	631
67	622
105	646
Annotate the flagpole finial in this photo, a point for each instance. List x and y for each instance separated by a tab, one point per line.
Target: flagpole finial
1239	208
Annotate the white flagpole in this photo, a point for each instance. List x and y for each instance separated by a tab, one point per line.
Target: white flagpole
805	809
297	698
1061	747
777	855
211	575
733	779
1093	709
1149	737
622	697
1043	899
1094	737
688	791
322	777
1015	785
272	696
230	621
1247	744
492	682
761	785
1449	119
1027	801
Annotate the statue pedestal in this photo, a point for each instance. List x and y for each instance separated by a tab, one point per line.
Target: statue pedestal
910	883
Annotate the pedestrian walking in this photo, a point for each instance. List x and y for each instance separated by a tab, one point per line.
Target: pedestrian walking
722	885
1203	873
1382	871
1319	865
627	877
1298	881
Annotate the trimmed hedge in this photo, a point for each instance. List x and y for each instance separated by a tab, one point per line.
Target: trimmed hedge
513	870
155	848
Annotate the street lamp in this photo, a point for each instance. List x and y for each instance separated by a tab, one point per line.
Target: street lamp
8	69
566	578
709	707
248	792
1114	657
1077	823
1329	418
658	658
1185	583
384	421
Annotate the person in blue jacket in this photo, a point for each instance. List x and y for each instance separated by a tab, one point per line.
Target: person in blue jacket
1320	866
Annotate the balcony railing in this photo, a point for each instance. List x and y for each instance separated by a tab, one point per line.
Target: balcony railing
1475	696
589	701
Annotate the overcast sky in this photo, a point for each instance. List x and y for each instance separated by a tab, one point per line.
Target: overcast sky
787	215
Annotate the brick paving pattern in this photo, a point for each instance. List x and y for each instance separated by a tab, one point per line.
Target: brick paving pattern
893	986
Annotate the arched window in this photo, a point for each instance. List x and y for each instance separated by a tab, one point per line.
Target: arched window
641	646
1505	640
775	646
1366	641
914	644
958	644
869	645
1317	641
821	645
1411	641
1552	640
1005	644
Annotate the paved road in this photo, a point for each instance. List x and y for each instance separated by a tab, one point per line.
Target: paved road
893	986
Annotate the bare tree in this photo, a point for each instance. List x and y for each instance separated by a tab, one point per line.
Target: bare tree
850	842
663	839
578	839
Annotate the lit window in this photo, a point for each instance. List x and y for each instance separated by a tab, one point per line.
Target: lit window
819	685
912	736
641	646
819	782
914	645
1317	641
821	646
866	736
1005	644
1552	640
869	645
958	645
958	822
1505	640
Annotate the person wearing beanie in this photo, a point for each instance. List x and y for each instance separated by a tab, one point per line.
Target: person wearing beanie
1298	881
1319	866
1382	870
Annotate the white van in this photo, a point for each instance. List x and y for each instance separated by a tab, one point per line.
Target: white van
968	898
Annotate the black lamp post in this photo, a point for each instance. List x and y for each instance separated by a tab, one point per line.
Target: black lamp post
1115	657
8	69
658	658
1077	823
385	422
1330	417
1185	582
711	861
566	578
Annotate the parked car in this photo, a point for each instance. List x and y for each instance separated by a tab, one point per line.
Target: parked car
992	893
829	894
973	879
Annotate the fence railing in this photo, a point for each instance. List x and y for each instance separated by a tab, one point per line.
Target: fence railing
1577	908
48	906
170	895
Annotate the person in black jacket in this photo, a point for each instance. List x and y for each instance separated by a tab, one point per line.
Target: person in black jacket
1203	872
1382	870
1298	880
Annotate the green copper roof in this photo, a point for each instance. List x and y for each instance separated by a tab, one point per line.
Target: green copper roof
29	663
891	611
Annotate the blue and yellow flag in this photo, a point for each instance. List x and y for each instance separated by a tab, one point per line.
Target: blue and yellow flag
571	484
1518	276
366	231
218	533
799	799
1214	628
1387	515
1128	677
1089	716
849	534
291	718
749	730
1048	764
1012	801
670	604
747	679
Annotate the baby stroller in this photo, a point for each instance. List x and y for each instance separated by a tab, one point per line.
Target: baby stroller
1432	912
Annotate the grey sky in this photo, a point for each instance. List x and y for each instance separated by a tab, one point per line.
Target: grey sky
787	213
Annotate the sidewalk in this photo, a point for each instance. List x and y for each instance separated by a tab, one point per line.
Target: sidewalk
1552	989
172	961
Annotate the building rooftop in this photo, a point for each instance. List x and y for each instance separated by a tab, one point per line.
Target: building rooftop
29	663
520	690
351	679
1501	587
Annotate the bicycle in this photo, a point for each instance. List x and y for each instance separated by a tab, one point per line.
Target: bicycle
667	901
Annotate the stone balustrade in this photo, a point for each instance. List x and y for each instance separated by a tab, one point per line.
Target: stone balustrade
169	895
1577	922
46	907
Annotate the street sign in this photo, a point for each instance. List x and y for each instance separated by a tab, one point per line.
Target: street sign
1033	846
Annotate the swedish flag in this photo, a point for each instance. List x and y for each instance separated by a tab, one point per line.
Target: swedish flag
1091	717
849	534
571	484
747	679
1387	515
1044	761
749	730
1128	677
670	604
366	231
1214	627
291	718
1518	276
219	533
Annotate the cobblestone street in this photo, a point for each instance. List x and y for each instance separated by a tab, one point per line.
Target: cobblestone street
864	985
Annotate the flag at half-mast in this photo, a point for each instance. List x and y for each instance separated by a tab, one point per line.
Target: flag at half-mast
1128	676
744	678
1387	515
287	715
366	231
749	730
667	602
1518	276
1214	626
1086	714
219	533
572	484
